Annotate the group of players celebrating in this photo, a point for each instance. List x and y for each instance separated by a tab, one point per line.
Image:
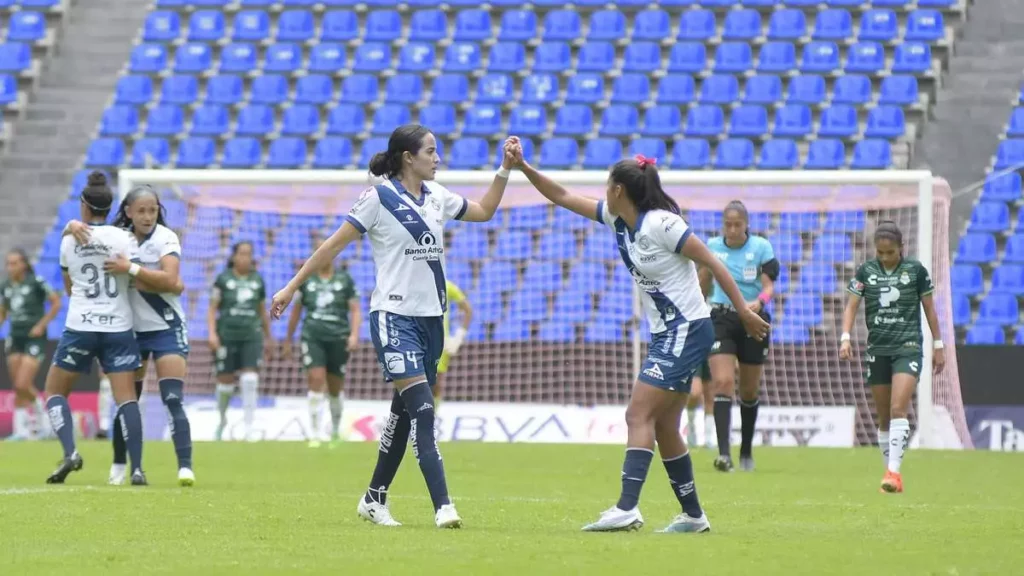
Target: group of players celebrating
706	306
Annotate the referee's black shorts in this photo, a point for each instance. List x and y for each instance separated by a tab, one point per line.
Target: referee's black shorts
731	338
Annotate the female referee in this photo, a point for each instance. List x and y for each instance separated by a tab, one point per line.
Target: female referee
329	334
404	217
751	263
895	289
658	248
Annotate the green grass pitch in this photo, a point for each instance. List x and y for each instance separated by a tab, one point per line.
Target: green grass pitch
282	508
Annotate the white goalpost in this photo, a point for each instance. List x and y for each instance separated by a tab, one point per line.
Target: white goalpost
556	318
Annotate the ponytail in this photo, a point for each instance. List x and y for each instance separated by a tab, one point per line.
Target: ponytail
643	184
405	138
97	195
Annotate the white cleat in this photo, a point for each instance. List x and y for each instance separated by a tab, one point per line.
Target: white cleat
186	477
616	520
117	474
375	513
685	524
447	517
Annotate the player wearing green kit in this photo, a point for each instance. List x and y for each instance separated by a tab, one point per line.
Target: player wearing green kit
895	290
452	342
23	298
329	334
239	330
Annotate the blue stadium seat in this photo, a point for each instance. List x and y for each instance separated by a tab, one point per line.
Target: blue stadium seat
651	25
295	26
787	24
15	56
788	247
734	154
825	154
1008	279
226	89
210	120
619	120
251	26
196	152
839	121
990	217
601	153
528	120
382	26
820	56
642	57
833	24
327	57
432	25
779	154
255	119
697	24
159	26
1010	152
762	89
314	89
791	333
1014	248
511	57
998	309
206	26
799	221
346	119
374	57
603	329
38	3
241	153
518	25
584	88
961	310
482	119
562	25
287	153
571	307
807	89
573	120
332	153
389	117
650	148
536	88
866	58
967	279
871	154
925	26
1015	128
630	89
776	57
439	117
719	89
912	58
543	276
705	221
238	57
704	120
980	248
834	248
181	90
845	221
879	24
450	88
885	122
468	153
852	89
164	120
607	25
529	217
300	120
151	153
985	335
792	120
193	57
557	245
691	154
404	89
552	57
514	245
586	276
104	152
471	243
339	26
9	91
269	89
733	57
804	309
676	89
744	24
1004	188
598	57
359	89
749	121
559	153
119	120
517	327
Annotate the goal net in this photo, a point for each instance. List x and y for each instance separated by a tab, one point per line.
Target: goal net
555	315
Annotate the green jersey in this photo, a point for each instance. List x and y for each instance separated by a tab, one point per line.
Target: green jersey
326	303
25	303
892	302
241	298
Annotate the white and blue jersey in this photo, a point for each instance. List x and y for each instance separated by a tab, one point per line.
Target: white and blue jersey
681	330
407	240
100	319
744	265
160	325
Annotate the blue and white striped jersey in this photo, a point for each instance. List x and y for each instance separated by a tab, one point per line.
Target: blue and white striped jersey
157	311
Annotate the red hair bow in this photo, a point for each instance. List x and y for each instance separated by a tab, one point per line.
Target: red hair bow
644	162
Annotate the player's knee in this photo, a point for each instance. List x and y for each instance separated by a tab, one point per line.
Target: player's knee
172	391
638	417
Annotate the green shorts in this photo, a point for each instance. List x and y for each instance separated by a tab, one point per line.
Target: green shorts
235	355
881	368
34	347
331	355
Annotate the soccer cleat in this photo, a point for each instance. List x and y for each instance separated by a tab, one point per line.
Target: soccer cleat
616	520
66	466
376	513
684	523
747	463
186	477
314	443
139	479
892	483
117	474
101	435
335	443
447	517
723	464
17	438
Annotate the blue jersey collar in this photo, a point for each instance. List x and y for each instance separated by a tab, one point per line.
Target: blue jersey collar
424	191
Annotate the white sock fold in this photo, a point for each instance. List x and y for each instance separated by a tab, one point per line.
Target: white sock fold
105	405
899	433
249	383
20	424
224	394
336	404
316	405
883	445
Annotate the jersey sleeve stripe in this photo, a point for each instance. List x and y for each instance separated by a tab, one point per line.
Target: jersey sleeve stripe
927	292
600	211
354	222
462	211
854	292
175	254
682	240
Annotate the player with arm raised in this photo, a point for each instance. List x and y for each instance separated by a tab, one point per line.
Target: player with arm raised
99	325
330	334
452	342
239	333
23	298
751	263
659	250
404	217
894	289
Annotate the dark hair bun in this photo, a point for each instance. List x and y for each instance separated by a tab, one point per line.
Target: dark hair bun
97	178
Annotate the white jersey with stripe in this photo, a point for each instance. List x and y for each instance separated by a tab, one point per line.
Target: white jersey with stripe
99	300
407	239
157	311
669	287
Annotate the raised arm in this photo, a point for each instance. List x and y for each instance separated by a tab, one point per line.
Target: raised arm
553	191
707	281
166	279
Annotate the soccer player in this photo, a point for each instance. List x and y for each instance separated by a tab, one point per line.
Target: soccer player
23	298
699	393
895	290
404	217
99	325
659	250
751	263
239	333
452	342
329	335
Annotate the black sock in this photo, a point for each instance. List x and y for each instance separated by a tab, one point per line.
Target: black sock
393	440
723	423
419	403
634	473
60	420
680	476
171	392
748	422
139	385
117	433
131	427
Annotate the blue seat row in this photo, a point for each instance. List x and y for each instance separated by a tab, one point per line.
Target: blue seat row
997	309
985	335
25	26
968	279
685	57
554	3
981	248
15	56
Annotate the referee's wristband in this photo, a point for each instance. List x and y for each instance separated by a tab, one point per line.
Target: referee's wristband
503	173
133	270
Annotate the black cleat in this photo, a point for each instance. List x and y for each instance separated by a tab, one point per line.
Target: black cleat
101	434
66	466
723	464
139	479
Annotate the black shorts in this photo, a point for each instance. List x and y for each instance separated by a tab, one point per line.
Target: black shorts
731	338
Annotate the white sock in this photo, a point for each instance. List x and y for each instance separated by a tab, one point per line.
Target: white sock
691	416
709	429
224	394
883	445
316	405
20	424
249	383
336	403
899	433
105	405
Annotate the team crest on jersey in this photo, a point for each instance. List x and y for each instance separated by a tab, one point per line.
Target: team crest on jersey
337	286
230	284
324	299
435	203
904	278
644	242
